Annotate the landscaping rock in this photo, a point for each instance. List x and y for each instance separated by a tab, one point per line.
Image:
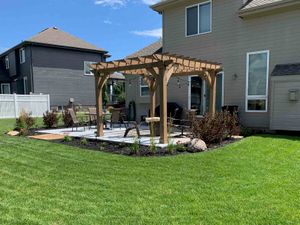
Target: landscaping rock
198	144
13	133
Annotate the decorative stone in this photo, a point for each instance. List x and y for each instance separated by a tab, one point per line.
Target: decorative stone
13	133
198	144
181	141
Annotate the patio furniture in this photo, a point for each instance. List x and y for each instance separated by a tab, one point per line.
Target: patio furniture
116	118
75	122
154	125
132	125
92	116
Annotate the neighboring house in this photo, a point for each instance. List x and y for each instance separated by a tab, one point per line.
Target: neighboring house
258	44
52	62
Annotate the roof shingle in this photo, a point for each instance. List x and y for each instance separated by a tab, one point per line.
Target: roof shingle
54	36
153	48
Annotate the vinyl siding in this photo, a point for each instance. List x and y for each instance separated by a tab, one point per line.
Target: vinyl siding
230	40
60	73
285	114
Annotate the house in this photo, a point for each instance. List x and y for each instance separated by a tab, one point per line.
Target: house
258	44
52	62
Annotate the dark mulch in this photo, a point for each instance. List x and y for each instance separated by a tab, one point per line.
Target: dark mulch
143	151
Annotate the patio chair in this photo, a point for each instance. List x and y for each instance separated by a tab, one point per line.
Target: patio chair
75	122
92	116
116	118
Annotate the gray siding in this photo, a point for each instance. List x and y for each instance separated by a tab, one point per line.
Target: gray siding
60	73
285	114
230	40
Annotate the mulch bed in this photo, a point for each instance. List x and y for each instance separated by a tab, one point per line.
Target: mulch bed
143	151
123	148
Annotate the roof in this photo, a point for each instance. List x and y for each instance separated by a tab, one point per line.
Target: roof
153	48
286	69
55	37
258	3
252	6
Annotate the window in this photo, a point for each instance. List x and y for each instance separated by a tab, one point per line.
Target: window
198	19
257	81
6	62
87	68
22	55
25	85
144	88
5	88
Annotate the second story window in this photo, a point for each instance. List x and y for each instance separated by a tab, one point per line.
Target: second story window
199	19
87	68
6	62
22	55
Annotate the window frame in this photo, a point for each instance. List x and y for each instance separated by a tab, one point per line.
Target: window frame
2	85
257	97
143	86
198	27
7	63
22	55
84	71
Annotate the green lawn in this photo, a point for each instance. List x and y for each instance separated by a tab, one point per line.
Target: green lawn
254	181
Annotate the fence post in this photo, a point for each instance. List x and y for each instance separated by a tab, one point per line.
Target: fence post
16	106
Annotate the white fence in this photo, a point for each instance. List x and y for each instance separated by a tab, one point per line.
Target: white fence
12	105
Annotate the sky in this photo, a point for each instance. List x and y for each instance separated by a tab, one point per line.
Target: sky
119	26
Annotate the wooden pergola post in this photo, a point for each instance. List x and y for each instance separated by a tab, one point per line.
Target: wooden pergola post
212	93
152	89
163	91
100	81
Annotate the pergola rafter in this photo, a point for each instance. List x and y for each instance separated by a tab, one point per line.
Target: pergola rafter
156	69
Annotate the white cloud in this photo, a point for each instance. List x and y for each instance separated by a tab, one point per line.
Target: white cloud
111	3
107	21
150	33
150	2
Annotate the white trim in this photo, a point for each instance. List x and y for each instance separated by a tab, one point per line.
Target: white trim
7	64
2	87
257	97
22	55
84	65
143	86
211	17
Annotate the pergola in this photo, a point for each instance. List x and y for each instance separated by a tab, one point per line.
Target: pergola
156	69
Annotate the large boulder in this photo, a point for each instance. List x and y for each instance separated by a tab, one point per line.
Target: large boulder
198	144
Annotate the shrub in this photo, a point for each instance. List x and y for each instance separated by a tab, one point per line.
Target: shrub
24	123
135	146
181	148
50	119
171	147
215	129
83	141
68	139
152	145
67	119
